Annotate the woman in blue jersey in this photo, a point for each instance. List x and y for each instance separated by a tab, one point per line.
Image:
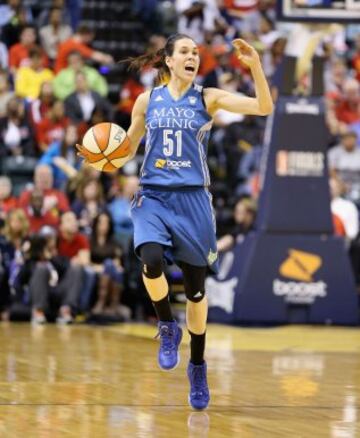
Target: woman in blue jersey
172	212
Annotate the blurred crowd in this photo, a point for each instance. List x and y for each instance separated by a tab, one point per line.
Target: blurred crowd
66	235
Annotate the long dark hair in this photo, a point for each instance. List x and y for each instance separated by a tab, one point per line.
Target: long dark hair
110	232
157	59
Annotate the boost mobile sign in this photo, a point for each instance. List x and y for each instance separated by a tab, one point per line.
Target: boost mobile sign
300	265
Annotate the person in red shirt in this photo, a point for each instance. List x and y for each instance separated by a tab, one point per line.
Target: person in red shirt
55	201
347	109
19	53
80	42
131	89
356	57
7	202
72	252
52	127
76	248
38	109
36	215
71	243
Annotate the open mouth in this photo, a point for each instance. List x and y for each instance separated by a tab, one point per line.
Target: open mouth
190	68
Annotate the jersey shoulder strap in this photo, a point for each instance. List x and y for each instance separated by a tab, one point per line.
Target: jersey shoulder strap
159	87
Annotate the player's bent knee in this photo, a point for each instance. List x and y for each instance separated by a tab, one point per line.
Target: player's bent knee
195	297
152	271
152	260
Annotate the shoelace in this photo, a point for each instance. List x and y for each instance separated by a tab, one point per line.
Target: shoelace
166	337
199	380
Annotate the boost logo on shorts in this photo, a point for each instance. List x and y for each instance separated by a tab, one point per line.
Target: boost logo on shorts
301	267
172	164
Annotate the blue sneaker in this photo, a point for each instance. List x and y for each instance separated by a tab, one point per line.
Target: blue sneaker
170	337
199	396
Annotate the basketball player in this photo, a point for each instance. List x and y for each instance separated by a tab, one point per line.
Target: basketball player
172	213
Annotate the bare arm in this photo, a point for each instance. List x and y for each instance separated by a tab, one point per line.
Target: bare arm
261	105
136	130
102	57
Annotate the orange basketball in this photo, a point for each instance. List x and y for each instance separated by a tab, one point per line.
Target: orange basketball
107	146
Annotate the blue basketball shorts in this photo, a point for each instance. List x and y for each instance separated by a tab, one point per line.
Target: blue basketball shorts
182	220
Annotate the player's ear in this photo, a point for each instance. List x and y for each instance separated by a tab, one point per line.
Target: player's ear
167	61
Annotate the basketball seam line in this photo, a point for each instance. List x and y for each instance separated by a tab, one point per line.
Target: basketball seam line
102	152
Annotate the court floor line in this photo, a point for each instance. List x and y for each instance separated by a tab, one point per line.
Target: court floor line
211	408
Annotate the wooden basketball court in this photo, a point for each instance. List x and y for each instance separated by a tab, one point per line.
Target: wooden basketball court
82	381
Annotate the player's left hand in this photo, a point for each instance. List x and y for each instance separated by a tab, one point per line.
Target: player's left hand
82	152
246	53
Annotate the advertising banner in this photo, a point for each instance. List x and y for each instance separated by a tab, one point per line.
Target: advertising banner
294	178
284	279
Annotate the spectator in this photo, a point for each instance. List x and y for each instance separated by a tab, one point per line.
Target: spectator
52	127
344	163
106	261
196	18
55	201
344	209
61	156
335	77
119	209
12	21
15	232
89	203
6	256
65	83
75	247
52	280
7	202
5	92
81	104
355	59
4	56
54	33
347	109
29	79
272	58
43	18
79	42
39	108
244	216
16	228
222	56
85	173
131	89
19	53
36	215
15	131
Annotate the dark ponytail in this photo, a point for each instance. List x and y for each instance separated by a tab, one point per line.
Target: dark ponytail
157	59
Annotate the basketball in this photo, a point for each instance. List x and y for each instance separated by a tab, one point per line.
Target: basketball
106	146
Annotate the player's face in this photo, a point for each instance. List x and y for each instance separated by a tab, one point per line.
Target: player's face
185	60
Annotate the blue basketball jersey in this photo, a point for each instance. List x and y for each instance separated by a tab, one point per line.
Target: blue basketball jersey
177	134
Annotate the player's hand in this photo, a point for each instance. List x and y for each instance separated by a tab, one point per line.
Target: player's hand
246	54
83	153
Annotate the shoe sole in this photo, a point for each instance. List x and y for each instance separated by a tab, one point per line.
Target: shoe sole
197	409
178	358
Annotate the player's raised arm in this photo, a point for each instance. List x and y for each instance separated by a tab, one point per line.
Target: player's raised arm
261	105
136	130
